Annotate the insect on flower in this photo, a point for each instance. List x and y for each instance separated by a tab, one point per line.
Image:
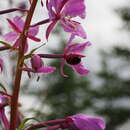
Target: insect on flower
72	56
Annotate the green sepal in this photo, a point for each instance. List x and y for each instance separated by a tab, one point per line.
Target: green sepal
6	44
23	123
2	86
31	52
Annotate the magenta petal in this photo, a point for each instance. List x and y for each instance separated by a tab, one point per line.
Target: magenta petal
18	22
74	9
99	122
50	28
74	28
77	48
10	37
79	68
36	62
14	26
4	119
84	122
34	38
33	30
46	70
51	6
55	5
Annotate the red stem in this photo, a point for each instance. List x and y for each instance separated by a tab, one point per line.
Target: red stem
16	87
46	123
41	22
12	10
51	55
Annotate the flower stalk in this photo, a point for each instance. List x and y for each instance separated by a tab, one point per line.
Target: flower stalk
41	22
12	10
46	123
17	82
51	55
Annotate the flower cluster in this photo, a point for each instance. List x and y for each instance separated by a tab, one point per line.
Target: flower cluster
58	10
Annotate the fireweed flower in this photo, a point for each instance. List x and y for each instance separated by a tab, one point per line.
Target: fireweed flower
3	118
17	25
38	66
63	11
72	56
84	122
1	64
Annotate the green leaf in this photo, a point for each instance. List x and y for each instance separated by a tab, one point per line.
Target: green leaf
23	123
6	44
2	86
32	51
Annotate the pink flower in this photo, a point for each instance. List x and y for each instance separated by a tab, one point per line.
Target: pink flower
72	56
63	11
3	118
84	122
1	64
17	25
38	66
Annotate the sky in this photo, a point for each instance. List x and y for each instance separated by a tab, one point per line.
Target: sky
104	28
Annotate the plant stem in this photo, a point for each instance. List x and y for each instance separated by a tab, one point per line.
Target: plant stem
12	10
51	55
41	22
16	87
46	124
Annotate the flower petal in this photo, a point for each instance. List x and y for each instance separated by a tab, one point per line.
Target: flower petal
36	62
34	38
56	5
14	26
80	69
85	122
10	37
76	48
33	31
74	9
18	22
4	119
74	28
46	70
50	28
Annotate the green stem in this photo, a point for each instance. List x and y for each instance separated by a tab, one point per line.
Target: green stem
17	82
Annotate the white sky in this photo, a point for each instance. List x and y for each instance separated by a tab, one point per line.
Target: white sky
103	26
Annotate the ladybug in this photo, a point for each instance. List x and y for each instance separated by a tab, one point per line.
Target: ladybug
73	59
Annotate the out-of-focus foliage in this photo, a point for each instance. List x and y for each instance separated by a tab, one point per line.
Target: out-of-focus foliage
114	93
125	16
